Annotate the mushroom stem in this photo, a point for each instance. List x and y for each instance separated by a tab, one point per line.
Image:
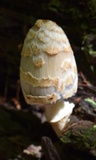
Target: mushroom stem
58	114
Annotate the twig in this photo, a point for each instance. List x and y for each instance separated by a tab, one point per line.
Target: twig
49	149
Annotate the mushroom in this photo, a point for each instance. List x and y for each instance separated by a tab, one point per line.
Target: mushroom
48	72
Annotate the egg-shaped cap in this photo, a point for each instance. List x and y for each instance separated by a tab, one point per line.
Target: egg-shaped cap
48	69
45	36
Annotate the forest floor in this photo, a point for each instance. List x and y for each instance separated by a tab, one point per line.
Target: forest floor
25	134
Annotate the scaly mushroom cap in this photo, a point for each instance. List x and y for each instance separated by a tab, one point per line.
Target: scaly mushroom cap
48	70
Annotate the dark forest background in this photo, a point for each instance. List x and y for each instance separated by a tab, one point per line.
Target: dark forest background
18	126
76	17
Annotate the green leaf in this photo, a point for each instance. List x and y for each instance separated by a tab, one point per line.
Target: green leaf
90	101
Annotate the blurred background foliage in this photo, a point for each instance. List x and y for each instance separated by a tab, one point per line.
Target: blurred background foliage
76	17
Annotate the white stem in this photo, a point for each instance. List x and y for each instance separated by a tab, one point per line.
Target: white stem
58	115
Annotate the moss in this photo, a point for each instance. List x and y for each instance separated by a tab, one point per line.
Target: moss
84	139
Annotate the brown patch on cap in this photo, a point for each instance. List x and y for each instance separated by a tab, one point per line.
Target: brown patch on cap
66	65
42	100
38	61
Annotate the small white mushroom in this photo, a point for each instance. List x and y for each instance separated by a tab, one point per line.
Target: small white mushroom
48	72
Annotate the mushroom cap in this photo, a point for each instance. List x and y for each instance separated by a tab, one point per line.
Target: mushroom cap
48	69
